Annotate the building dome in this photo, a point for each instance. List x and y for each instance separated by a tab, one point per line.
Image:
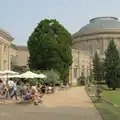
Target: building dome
99	23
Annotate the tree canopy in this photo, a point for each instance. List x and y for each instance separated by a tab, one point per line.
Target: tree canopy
50	48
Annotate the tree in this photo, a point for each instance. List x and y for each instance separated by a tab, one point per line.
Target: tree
52	77
50	48
97	68
111	65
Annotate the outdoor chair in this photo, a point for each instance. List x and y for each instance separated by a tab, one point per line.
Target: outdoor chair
62	87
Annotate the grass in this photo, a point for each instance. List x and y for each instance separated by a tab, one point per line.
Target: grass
108	111
113	96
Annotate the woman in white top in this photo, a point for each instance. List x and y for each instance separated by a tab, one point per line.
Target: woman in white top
14	90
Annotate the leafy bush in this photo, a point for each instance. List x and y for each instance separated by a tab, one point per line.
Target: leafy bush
52	77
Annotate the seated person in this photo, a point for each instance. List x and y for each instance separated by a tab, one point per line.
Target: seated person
27	97
2	88
43	89
34	95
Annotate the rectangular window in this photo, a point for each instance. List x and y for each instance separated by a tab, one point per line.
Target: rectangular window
75	72
5	49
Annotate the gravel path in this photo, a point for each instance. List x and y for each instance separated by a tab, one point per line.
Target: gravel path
73	104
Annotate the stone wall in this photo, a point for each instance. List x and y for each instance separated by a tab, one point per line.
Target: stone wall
95	43
5	44
80	66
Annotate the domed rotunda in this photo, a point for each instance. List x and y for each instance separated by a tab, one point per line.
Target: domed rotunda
95	36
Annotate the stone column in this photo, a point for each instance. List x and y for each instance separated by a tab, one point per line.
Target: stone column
93	48
78	63
0	55
70	75
9	60
104	44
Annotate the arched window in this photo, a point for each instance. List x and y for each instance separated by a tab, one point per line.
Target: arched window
87	71
75	72
82	72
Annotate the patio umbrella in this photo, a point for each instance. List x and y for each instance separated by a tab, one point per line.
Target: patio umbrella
6	74
42	76
10	76
29	74
9	72
1	72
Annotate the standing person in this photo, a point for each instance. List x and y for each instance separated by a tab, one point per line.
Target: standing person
7	91
43	89
38	88
50	89
10	85
22	90
1	87
15	90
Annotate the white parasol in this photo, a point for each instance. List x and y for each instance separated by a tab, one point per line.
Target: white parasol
42	76
29	74
9	72
1	72
10	76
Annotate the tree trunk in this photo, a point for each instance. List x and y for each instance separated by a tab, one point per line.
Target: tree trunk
114	88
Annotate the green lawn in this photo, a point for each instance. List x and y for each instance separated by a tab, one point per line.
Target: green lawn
109	111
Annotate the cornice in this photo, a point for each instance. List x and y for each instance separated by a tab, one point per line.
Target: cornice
21	47
96	37
6	35
98	31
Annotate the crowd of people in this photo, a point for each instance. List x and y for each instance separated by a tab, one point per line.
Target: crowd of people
24	92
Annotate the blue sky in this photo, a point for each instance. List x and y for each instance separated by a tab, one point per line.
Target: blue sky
20	17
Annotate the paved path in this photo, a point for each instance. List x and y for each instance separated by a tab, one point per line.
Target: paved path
73	104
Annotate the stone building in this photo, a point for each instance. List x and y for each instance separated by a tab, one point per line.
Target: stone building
5	48
19	55
95	36
80	66
11	54
91	38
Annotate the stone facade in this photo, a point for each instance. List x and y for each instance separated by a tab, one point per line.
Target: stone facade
5	46
19	55
80	67
95	36
96	42
11	54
